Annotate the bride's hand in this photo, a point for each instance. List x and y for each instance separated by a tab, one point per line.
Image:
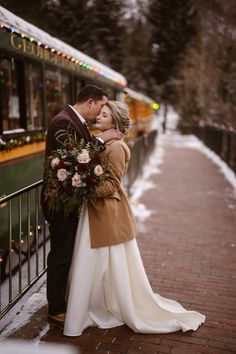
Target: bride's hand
110	134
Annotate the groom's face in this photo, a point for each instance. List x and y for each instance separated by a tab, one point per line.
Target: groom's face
95	108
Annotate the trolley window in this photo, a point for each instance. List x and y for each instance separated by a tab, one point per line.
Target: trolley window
34	96
57	91
9	95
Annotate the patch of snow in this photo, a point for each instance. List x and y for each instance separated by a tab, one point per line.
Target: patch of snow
143	183
140	186
24	347
231	206
34	303
140	211
42	334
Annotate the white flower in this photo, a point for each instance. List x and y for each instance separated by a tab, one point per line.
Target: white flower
83	157
98	170
76	180
62	174
2	142
55	162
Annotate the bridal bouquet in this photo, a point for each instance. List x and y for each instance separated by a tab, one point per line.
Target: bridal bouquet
72	173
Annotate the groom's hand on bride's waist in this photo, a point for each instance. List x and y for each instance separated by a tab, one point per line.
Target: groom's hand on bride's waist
110	134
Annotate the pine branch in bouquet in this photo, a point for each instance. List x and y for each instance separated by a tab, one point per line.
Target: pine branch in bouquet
73	172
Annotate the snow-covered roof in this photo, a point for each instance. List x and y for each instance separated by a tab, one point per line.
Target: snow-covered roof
17	24
139	96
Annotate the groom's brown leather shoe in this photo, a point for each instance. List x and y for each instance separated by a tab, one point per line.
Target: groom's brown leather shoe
57	319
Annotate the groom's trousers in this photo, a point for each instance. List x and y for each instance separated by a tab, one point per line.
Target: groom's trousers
62	234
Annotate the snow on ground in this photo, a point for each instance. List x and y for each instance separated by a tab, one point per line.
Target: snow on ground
34	303
143	183
25	347
192	142
42	333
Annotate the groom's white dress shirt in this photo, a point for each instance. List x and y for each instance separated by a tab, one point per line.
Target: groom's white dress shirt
83	121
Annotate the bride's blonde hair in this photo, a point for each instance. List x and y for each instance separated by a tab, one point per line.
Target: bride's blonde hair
120	115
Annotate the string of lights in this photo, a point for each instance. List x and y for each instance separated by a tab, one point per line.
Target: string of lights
9	21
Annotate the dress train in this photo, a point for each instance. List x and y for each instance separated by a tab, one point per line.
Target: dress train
108	287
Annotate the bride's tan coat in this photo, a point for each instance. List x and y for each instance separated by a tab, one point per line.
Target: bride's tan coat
112	221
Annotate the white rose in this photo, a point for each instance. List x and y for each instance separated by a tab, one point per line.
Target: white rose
83	157
55	162
76	180
62	174
98	170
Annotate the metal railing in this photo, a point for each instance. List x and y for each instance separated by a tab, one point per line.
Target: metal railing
141	149
24	233
221	140
23	248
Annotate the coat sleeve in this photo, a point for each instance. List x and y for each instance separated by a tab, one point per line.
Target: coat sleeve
116	156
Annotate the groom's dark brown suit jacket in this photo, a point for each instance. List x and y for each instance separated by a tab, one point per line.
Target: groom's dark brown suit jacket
64	120
62	229
67	119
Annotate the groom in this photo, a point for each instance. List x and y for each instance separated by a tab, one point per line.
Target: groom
62	229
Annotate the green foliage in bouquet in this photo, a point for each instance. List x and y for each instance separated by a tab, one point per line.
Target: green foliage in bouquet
73	172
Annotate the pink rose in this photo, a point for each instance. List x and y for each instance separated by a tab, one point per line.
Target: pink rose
98	170
76	180
55	162
62	174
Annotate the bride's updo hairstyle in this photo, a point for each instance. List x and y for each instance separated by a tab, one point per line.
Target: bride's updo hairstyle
120	115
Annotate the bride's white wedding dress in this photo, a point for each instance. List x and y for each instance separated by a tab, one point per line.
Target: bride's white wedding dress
108	287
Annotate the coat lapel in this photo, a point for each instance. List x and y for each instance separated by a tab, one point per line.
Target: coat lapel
81	127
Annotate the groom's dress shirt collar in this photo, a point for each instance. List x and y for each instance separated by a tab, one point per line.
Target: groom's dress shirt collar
83	121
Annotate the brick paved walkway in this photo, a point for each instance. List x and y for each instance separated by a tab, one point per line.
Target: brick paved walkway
188	247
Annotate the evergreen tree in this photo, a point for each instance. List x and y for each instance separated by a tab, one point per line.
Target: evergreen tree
70	20
137	56
27	9
108	32
173	26
208	81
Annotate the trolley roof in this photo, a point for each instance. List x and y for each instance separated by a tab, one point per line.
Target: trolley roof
17	24
139	96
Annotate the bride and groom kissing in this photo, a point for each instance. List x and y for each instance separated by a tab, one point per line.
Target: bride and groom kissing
95	273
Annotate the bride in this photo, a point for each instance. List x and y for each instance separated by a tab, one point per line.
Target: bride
108	286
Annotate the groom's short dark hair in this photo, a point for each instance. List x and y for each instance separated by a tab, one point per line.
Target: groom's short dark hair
91	91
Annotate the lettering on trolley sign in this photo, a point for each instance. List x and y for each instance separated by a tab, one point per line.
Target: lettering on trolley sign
33	49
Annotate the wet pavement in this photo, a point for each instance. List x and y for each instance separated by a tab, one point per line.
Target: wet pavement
188	246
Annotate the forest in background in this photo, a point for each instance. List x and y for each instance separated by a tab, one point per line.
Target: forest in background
179	52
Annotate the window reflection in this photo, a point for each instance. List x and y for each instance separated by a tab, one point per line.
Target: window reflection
57	92
9	98
34	98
